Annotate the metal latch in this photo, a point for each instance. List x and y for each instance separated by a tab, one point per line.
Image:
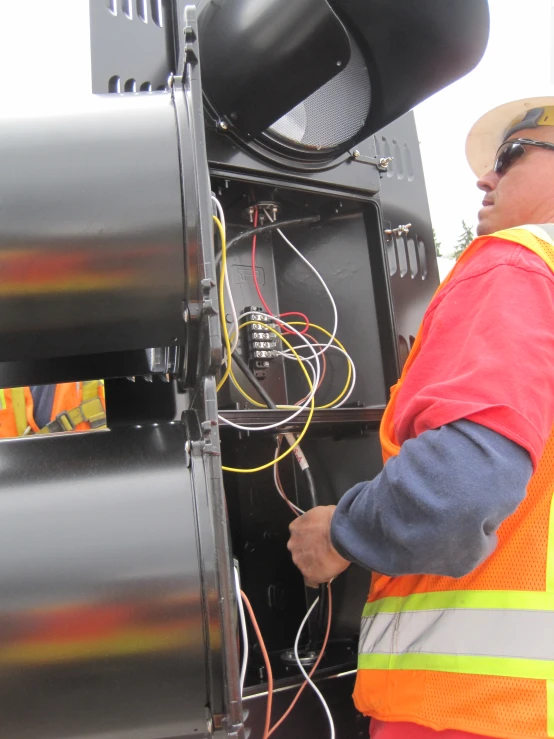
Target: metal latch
382	163
399	230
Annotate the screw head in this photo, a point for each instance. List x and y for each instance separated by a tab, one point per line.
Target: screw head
222	125
356	153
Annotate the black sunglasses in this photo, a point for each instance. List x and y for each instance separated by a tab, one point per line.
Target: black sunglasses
514	149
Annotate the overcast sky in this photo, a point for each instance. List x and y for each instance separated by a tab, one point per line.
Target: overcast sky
44	52
517	64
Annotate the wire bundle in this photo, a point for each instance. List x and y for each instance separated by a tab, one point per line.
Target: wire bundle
316	350
313	365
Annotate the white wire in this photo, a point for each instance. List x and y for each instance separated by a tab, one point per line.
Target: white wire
308	679
319	277
286	355
235	323
244	632
308	397
296	508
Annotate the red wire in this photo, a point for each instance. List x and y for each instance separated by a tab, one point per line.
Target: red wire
259	291
254	275
303	316
314	668
267	664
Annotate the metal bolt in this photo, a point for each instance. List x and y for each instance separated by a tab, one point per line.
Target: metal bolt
339	63
356	153
385	161
170	81
223	125
186	315
187	446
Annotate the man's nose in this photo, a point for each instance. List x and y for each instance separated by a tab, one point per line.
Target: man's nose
488	182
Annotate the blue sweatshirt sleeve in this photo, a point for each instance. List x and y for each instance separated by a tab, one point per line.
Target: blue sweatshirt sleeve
435	508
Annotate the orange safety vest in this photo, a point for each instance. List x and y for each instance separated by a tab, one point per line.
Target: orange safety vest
475	653
76	407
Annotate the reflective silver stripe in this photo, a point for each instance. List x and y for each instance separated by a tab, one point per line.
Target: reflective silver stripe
484	633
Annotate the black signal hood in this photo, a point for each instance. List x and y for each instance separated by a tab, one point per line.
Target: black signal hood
261	58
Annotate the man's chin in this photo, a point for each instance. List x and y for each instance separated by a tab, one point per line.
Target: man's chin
485	227
482	229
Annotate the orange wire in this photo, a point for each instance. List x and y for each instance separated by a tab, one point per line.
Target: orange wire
314	668
280	487
267	663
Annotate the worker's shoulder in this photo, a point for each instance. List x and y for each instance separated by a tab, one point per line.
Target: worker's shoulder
498	255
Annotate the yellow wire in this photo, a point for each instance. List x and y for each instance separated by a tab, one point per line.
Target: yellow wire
308	420
288	407
349	375
222	302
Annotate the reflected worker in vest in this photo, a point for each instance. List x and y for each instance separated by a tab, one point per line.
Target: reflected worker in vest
50	409
457	637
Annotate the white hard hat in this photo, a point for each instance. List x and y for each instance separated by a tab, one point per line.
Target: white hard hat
498	124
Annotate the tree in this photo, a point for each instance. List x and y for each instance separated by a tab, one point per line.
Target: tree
437	244
465	239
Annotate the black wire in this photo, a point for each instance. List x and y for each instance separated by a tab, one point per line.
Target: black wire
269	227
262	392
253	380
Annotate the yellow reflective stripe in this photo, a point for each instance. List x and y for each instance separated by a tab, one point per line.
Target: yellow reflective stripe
532	669
19	409
521	600
550	552
90	389
2	400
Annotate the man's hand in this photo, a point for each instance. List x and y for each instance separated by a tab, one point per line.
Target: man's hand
311	548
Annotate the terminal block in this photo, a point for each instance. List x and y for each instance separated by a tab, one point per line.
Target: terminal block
260	343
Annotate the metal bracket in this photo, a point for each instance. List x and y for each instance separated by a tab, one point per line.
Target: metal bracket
205	445
382	163
207	303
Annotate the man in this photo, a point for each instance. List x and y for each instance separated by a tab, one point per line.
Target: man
47	409
457	638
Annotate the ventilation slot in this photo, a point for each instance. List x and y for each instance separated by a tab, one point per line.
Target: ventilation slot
422	258
112	7
131	85
127	9
397	159
412	258
386	151
391	256
142	11
156	10
146	87
409	163
114	84
402	258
